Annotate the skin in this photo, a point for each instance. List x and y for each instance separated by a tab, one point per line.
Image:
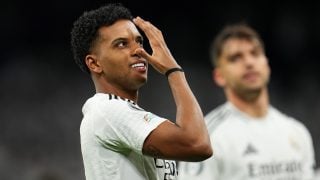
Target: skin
112	59
243	71
111	63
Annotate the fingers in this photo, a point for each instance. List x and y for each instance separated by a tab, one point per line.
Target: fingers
161	58
141	52
146	26
153	34
140	22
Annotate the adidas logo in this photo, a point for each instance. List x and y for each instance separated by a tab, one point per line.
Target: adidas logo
250	150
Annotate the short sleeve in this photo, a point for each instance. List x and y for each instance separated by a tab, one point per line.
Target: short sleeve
124	126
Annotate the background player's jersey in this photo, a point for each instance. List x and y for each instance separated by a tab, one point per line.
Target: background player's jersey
113	131
275	147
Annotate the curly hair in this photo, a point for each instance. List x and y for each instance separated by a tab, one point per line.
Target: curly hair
85	29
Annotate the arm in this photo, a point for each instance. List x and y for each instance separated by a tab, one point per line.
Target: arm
188	139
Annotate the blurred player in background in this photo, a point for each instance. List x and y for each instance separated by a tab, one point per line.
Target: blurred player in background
252	139
317	174
119	139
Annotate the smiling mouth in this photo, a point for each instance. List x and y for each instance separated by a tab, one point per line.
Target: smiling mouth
139	66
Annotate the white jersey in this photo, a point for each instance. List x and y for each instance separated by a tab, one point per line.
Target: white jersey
112	132
317	174
275	147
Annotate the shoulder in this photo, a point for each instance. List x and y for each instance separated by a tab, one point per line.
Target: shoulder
289	121
285	118
218	117
107	102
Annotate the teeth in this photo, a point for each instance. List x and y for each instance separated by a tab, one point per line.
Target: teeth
138	65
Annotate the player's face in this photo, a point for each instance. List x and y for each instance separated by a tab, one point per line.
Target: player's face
243	66
115	50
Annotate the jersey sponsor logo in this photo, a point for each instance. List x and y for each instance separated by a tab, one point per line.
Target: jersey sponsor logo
250	149
279	170
193	168
169	167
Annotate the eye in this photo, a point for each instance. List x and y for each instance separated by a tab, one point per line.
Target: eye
140	41
122	44
256	52
234	58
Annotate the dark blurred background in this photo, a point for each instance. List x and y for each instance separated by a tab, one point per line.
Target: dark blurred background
42	89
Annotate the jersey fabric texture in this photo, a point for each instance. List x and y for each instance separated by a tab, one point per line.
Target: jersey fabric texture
275	147
112	131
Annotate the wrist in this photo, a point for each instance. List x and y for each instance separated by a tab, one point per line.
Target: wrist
172	70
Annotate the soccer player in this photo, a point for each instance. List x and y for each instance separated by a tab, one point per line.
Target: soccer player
119	139
252	139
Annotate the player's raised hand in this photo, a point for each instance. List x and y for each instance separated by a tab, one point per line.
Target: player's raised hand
161	58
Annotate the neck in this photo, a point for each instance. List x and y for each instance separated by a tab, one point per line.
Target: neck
255	105
108	88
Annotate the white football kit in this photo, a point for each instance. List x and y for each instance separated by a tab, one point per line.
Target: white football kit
275	147
112	132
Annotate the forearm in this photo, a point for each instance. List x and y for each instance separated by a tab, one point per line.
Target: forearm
188	139
189	116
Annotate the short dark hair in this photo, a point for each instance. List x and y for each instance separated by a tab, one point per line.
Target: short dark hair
85	29
237	30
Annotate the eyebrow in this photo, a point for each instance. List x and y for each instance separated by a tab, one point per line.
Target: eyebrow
230	57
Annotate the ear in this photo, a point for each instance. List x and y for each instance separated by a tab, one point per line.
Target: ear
93	63
218	77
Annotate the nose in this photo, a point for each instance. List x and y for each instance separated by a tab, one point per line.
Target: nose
134	47
249	60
